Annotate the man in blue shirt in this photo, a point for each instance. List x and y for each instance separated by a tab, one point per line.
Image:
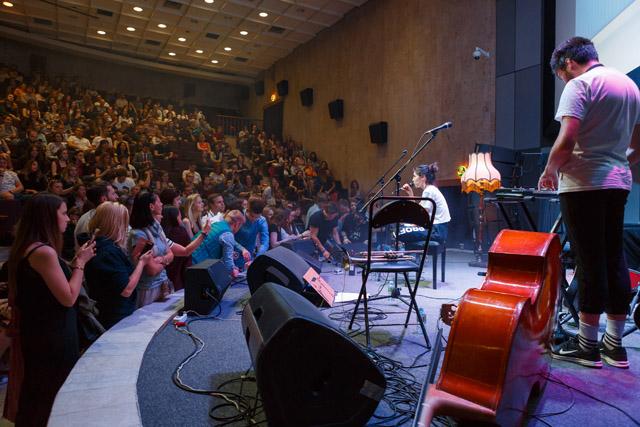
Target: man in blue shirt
254	234
220	243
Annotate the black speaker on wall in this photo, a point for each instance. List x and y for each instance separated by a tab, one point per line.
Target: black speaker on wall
205	284
378	133
336	109
284	267
306	97
308	372
259	88
283	87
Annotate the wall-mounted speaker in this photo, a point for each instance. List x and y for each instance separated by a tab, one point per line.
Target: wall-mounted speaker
336	109
259	88
283	87
306	97
205	284
308	372
378	133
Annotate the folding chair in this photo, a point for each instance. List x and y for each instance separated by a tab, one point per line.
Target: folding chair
398	210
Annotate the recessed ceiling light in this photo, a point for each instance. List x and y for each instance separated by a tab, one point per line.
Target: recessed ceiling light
228	49
130	29
208	1
199	51
7	3
172	54
162	25
263	14
244	33
138	9
101	32
214	61
182	39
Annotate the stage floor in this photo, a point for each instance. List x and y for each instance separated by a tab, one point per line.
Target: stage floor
225	357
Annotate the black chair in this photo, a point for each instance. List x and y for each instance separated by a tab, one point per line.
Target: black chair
398	210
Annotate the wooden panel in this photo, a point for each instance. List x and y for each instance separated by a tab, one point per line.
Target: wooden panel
406	62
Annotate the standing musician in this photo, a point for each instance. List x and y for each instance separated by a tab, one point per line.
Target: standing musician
599	137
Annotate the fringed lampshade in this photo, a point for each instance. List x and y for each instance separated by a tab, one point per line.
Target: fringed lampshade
480	175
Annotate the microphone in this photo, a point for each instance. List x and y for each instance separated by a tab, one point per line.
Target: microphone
436	129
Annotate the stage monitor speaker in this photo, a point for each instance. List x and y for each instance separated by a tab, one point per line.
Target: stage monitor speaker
259	88
378	133
283	87
284	267
307	251
306	97
205	284
336	109
308	372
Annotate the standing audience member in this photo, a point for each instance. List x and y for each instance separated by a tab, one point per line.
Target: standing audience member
216	209
175	230
323	225
146	214
254	234
220	242
111	278
193	209
95	195
43	293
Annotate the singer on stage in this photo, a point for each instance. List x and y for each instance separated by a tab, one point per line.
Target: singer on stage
424	177
599	112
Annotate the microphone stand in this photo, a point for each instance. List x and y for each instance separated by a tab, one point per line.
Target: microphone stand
380	181
397	174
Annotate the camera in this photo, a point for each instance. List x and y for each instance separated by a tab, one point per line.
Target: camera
479	52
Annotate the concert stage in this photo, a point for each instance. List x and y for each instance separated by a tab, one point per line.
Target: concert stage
125	378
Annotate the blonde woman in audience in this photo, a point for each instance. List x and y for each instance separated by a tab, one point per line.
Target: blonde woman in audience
111	277
193	209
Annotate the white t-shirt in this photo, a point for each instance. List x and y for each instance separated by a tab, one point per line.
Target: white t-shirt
442	209
607	103
128	183
81	143
211	217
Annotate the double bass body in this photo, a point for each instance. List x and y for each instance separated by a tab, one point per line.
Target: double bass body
496	352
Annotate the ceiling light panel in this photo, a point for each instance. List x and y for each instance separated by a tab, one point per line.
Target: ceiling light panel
325	19
193	25
236	9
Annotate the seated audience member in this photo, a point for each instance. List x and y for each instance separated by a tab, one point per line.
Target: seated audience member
123	162
355	192
216	206
60	163
174	229
54	147
164	182
193	210
143	160
254	234
10	184
220	243
122	183
197	179
78	142
32	178
111	278
70	177
146	214
323	225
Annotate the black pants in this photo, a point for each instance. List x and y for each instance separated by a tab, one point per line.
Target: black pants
594	221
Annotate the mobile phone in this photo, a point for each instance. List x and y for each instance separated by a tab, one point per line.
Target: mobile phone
94	235
147	247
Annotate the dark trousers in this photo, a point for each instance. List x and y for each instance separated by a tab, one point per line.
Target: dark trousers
594	221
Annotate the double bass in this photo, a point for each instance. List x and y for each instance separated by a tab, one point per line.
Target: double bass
496	354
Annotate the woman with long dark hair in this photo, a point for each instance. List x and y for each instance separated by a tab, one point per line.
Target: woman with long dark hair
173	227
424	178
32	178
43	291
146	214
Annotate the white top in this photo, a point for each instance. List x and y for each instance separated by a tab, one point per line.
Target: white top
128	183
82	226
442	209
211	217
607	103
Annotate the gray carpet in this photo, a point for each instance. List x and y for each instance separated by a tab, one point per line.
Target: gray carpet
226	357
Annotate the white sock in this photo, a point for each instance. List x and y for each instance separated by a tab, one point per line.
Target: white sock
588	336
613	336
